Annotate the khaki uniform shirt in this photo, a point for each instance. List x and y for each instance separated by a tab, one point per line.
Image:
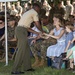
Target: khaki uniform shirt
27	18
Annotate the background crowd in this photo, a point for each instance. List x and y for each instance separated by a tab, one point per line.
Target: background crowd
58	30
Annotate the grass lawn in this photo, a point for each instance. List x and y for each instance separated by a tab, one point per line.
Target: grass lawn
6	70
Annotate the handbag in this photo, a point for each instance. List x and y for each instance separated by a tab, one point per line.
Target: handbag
57	62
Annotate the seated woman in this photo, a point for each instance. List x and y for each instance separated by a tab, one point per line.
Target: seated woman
57	33
2	29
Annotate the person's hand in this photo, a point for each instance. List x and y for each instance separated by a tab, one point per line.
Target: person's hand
44	35
40	34
72	41
65	51
33	41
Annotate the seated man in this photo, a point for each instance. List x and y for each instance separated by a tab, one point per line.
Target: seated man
41	44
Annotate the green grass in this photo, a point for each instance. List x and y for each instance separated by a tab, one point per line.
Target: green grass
6	70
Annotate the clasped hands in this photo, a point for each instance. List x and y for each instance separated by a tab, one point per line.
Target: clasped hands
41	35
45	35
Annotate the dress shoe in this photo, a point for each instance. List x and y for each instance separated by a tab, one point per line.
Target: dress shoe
17	72
31	69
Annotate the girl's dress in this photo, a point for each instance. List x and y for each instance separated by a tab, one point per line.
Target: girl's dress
69	37
58	48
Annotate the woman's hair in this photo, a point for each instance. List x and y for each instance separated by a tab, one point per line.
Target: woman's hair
42	13
61	20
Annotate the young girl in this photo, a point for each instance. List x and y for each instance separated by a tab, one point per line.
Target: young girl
69	37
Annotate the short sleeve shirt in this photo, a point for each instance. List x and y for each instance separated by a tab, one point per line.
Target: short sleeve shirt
27	18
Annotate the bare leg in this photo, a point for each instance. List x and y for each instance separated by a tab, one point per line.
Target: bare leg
71	63
70	53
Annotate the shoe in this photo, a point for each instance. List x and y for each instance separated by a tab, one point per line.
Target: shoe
31	69
17	72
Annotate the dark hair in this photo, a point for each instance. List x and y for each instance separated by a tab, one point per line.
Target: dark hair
14	18
36	5
2	18
42	13
29	4
59	2
71	16
45	17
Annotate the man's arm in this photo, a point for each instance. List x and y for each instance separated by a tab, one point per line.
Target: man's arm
38	25
32	31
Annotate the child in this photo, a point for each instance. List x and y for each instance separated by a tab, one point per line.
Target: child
69	37
70	46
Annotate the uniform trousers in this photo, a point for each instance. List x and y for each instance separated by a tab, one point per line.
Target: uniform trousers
22	58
